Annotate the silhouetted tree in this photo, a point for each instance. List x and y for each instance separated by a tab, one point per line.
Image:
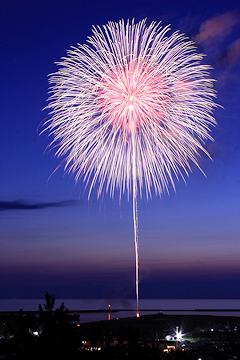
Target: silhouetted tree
23	341
60	336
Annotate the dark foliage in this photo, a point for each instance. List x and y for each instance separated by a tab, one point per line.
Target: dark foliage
62	337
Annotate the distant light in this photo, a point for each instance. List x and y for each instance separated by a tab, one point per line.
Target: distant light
78	324
178	335
92	348
137	315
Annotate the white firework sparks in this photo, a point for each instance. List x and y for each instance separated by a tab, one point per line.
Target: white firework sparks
132	110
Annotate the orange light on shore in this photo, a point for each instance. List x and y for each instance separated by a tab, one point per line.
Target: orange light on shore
137	315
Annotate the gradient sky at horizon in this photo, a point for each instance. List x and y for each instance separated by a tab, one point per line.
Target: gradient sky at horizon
51	237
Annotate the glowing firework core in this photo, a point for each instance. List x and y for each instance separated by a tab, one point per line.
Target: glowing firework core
133	93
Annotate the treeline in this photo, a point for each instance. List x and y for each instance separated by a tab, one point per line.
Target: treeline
57	334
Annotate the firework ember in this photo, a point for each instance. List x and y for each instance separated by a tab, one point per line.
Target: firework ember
131	111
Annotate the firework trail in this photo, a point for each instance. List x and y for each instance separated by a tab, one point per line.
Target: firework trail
131	111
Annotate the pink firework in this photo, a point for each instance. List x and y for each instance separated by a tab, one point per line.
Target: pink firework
135	92
132	110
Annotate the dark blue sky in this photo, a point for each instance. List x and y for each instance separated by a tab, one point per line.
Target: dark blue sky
51	237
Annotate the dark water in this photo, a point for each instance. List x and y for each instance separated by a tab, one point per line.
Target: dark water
127	306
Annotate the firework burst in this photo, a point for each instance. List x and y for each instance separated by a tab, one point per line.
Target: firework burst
132	110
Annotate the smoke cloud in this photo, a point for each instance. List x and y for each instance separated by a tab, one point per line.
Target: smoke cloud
233	53
218	27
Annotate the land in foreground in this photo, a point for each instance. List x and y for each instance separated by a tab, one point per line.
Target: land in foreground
52	334
158	326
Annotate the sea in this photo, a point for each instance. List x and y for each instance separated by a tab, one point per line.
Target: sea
127	307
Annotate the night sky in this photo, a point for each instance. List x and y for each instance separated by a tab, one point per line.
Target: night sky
52	238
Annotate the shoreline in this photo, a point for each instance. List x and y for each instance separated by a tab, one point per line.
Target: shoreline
159	311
